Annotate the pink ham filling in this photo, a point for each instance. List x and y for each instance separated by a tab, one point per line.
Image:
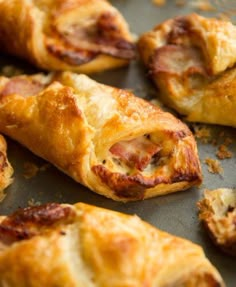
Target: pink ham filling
178	59
136	153
21	86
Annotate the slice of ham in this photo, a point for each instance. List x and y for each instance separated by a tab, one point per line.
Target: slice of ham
136	153
21	86
178	60
76	44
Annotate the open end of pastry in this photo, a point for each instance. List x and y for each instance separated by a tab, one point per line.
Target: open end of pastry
145	162
78	33
31	221
186	56
218	212
6	169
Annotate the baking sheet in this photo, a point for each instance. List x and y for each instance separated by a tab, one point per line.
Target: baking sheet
175	213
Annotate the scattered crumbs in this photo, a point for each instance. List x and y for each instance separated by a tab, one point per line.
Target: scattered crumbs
202	132
44	167
2	195
159	2
213	165
223	152
228	141
202	5
180	3
10	71
221	134
32	202
30	170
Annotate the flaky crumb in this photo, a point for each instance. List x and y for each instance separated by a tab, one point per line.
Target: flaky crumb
159	2
30	170
32	202
180	3
213	165
202	132
223	152
202	5
228	141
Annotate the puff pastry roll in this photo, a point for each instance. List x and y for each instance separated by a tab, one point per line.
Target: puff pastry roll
83	245
191	59
79	35
114	143
6	169
217	211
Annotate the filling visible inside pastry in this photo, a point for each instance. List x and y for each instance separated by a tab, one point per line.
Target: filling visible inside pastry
217	210
137	153
143	162
6	169
77	33
192	62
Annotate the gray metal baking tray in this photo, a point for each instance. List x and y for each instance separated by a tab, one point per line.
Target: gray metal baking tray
176	213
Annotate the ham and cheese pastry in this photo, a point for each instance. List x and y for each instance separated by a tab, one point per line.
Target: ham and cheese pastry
217	211
116	144
6	169
79	35
191	59
83	245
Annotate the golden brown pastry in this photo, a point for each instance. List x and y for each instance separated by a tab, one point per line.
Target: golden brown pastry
192	60
217	211
82	245
116	144
6	169
79	35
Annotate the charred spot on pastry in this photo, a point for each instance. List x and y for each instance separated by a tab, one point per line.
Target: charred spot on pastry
28	222
127	186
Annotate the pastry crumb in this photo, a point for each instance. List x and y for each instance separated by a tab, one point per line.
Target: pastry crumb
32	202
159	2
213	165
223	152
180	3
203	5
30	170
202	132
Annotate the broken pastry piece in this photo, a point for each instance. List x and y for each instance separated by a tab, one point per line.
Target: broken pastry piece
217	211
83	245
79	35
116	144
191	59
6	169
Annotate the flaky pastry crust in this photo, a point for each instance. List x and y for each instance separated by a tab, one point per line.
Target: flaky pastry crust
6	169
114	143
217	211
79	35
191	59
83	245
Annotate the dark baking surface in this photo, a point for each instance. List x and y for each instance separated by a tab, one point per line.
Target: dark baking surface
175	213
